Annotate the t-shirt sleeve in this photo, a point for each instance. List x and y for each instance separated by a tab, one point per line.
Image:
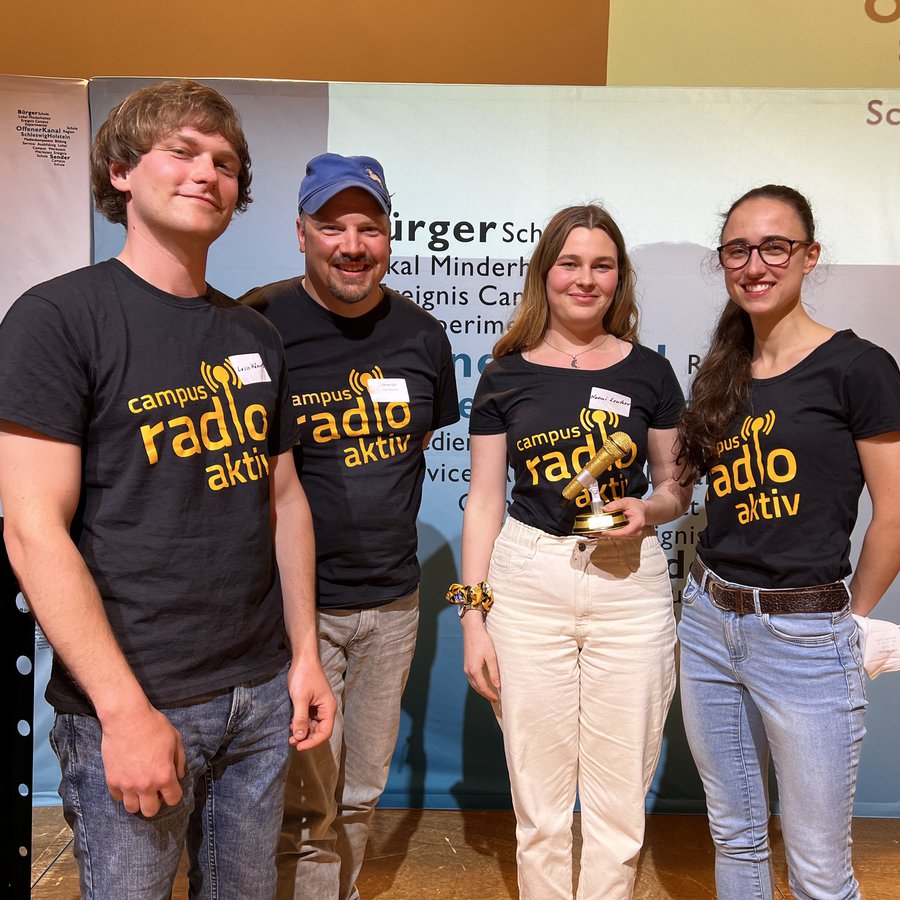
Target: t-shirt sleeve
285	431
446	403
872	394
45	381
487	416
671	400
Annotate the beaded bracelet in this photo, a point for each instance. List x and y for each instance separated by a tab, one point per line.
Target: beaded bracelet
472	596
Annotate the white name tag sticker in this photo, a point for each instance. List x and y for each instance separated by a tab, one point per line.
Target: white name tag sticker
249	367
610	401
388	390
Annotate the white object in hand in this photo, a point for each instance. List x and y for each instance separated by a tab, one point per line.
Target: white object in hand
879	642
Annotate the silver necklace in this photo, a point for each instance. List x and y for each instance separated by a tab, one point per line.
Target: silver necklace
574	363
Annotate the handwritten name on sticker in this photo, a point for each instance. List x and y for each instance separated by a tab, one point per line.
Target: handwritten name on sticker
610	401
250	368
388	390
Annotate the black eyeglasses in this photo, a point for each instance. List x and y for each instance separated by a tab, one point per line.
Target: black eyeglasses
773	252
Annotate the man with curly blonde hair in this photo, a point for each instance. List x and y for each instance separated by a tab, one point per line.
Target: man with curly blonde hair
150	501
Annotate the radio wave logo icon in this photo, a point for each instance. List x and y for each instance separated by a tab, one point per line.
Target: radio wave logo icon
754	424
750	431
224	375
359	380
597	418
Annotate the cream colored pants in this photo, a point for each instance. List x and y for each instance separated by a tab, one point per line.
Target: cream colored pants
584	632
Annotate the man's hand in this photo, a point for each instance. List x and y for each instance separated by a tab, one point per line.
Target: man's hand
40	483
144	760
292	527
314	706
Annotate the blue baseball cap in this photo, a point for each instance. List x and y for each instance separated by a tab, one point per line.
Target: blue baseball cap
330	173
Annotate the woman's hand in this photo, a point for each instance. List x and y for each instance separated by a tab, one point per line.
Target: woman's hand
479	658
669	498
635	511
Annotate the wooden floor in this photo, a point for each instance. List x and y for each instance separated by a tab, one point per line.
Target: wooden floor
470	855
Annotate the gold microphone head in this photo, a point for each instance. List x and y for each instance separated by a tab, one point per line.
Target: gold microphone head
614	447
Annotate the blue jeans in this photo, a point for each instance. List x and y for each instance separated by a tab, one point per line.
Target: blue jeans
332	789
792	684
236	744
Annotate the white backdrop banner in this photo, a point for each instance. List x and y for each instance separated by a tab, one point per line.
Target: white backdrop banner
45	217
45	223
475	172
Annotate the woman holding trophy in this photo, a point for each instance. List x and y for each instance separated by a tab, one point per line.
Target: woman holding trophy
788	420
577	652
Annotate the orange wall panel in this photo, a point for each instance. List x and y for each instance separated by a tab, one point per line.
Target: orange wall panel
469	41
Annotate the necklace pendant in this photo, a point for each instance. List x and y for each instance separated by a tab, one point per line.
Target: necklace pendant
574	363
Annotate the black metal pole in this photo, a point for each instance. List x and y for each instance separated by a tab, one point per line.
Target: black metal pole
21	726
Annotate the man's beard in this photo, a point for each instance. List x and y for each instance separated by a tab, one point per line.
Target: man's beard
353	292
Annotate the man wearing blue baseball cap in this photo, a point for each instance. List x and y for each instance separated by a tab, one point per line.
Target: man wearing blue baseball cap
371	377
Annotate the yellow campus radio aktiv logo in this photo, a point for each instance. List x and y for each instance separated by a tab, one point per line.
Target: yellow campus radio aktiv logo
210	424
359	380
760	477
370	430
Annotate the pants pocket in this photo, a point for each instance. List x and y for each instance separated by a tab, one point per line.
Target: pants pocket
690	592
802	629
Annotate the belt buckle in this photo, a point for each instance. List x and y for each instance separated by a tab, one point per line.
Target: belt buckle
743	598
712	591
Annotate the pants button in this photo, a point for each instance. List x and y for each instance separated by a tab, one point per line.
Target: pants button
582	547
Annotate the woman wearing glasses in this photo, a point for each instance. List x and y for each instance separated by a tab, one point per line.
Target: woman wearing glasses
788	419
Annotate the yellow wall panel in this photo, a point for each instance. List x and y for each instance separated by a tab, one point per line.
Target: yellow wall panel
755	43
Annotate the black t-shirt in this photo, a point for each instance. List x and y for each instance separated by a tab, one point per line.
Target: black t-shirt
177	404
782	500
555	420
365	391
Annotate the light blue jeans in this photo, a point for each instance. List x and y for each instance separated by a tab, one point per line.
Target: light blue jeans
236	744
792	685
332	789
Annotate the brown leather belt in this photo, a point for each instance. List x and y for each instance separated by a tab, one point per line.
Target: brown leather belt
818	599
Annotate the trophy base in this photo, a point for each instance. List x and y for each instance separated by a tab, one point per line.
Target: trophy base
597	523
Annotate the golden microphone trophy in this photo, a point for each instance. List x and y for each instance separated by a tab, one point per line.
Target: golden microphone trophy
597	521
